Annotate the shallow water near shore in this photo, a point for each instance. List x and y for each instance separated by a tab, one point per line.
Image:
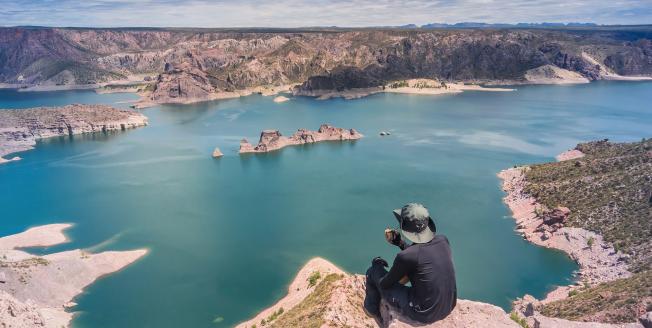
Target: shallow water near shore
227	235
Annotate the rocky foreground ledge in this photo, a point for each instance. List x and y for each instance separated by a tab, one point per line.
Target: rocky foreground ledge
36	291
322	295
20	128
271	140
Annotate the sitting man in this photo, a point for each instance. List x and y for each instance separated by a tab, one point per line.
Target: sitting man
427	264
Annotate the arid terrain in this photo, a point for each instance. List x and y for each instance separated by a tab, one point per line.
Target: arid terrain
186	65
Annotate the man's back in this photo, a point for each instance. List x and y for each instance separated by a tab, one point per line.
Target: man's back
430	268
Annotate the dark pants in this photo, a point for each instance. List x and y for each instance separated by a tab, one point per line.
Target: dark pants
396	295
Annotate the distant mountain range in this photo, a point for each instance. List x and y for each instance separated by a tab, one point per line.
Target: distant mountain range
497	25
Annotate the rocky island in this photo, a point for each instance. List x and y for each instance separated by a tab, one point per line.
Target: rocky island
37	291
271	140
20	128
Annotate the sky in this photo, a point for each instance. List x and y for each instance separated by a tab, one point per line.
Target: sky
304	13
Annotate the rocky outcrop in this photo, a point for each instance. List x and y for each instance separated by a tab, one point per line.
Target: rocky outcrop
217	153
322	295
281	99
569	155
271	140
37	290
466	314
550	74
528	309
182	83
20	128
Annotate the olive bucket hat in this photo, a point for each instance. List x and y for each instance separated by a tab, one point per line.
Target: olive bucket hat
415	223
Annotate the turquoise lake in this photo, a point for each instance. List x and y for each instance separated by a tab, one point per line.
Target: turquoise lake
226	236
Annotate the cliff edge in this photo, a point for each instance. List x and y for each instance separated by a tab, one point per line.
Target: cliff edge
20	128
322	295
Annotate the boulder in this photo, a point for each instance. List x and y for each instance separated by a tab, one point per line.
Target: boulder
466	314
557	216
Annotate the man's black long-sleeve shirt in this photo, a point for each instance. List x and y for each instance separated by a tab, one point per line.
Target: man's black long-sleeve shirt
430	268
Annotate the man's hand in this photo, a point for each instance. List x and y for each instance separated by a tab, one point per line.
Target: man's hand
393	237
379	261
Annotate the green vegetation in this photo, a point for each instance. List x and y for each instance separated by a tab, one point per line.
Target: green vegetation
617	301
520	321
399	84
313	278
309	312
590	241
26	263
608	191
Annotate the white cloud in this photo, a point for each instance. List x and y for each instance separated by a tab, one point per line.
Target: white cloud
298	13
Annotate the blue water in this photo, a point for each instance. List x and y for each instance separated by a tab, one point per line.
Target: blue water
227	235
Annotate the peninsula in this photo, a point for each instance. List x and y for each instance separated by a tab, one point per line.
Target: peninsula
37	291
20	128
271	140
594	204
191	65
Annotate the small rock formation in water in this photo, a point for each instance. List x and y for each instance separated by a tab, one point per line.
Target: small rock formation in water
20	128
217	153
384	133
281	99
271	140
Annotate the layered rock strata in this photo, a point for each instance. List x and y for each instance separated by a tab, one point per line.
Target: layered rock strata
271	140
20	128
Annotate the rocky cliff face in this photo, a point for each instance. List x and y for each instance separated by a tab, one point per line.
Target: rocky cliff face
182	82
19	129
331	60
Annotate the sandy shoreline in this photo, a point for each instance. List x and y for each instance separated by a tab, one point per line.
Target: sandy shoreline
415	87
598	262
266	91
38	290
